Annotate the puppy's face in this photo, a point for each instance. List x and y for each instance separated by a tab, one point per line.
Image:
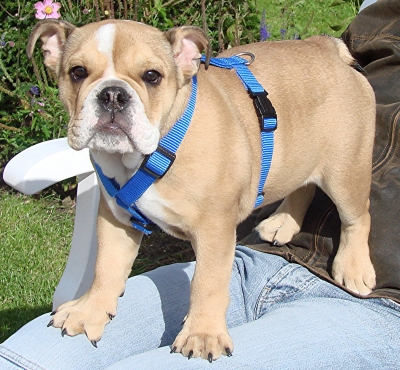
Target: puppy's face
117	86
119	80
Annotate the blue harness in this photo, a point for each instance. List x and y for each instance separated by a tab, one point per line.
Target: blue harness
156	165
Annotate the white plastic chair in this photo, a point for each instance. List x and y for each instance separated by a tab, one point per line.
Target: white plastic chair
43	165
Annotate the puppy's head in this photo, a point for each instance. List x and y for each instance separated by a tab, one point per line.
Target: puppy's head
119	80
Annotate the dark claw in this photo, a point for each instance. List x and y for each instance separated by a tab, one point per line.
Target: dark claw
210	358
51	322
94	343
190	354
228	352
53	313
122	294
63	332
173	350
111	316
184	320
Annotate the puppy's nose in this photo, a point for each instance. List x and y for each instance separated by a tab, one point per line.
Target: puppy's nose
113	98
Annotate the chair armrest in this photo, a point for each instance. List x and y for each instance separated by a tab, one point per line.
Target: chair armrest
79	271
45	164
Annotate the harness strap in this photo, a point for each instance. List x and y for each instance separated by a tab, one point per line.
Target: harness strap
153	167
264	108
156	165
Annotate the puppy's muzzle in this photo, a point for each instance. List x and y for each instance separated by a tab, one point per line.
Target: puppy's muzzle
113	99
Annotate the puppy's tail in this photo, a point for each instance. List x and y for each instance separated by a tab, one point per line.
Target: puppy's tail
345	55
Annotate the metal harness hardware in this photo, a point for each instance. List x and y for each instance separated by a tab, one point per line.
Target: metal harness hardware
156	165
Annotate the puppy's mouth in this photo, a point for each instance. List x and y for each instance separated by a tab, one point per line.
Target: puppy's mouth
113	119
112	124
111	130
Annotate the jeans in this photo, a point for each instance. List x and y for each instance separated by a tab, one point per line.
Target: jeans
281	316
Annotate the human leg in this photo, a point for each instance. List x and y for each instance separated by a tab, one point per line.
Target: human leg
298	321
280	316
148	316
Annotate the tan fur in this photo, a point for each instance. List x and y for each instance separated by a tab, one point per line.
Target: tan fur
326	114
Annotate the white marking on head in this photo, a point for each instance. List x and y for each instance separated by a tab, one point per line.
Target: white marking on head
105	36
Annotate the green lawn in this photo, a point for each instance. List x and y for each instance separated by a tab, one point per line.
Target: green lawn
307	17
35	233
35	236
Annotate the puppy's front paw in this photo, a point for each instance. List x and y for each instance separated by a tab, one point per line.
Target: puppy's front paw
354	270
208	342
86	315
278	229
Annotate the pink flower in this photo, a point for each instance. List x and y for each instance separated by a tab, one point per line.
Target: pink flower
47	9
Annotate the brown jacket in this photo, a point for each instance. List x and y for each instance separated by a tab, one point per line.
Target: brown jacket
374	40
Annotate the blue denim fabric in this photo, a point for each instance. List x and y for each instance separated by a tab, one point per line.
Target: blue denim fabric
281	316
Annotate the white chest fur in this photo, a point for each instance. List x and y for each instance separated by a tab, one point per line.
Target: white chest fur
151	204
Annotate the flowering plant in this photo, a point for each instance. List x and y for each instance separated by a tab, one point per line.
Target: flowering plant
47	9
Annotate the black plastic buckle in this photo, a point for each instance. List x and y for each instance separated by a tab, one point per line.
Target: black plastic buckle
166	153
264	108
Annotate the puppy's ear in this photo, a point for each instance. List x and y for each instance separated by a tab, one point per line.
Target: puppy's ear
53	34
188	42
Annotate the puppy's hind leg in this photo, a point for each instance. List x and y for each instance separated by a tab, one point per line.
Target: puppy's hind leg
352	266
286	221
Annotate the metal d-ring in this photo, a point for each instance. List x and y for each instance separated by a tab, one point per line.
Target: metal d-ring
246	53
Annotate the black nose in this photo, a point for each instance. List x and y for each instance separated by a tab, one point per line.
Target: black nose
113	98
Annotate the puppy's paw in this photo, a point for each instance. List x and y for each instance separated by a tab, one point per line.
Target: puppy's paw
354	270
86	315
278	229
207	342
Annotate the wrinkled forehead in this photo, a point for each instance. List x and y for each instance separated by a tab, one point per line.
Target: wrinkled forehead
122	40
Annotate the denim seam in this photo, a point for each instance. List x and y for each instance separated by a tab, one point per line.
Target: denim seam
392	305
242	295
274	281
18	360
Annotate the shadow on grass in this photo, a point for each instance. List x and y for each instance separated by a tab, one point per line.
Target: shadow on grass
13	319
160	249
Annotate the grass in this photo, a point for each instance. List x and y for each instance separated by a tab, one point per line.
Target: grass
35	232
306	17
35	237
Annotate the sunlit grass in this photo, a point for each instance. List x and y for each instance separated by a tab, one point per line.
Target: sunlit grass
306	18
35	236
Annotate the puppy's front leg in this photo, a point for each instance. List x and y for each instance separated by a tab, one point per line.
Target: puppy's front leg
205	333
117	249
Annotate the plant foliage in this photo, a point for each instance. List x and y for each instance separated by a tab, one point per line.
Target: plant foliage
30	111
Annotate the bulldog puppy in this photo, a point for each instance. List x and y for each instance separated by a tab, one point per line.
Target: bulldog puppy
125	84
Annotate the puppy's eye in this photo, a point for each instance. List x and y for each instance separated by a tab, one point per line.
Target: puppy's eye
152	77
78	74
